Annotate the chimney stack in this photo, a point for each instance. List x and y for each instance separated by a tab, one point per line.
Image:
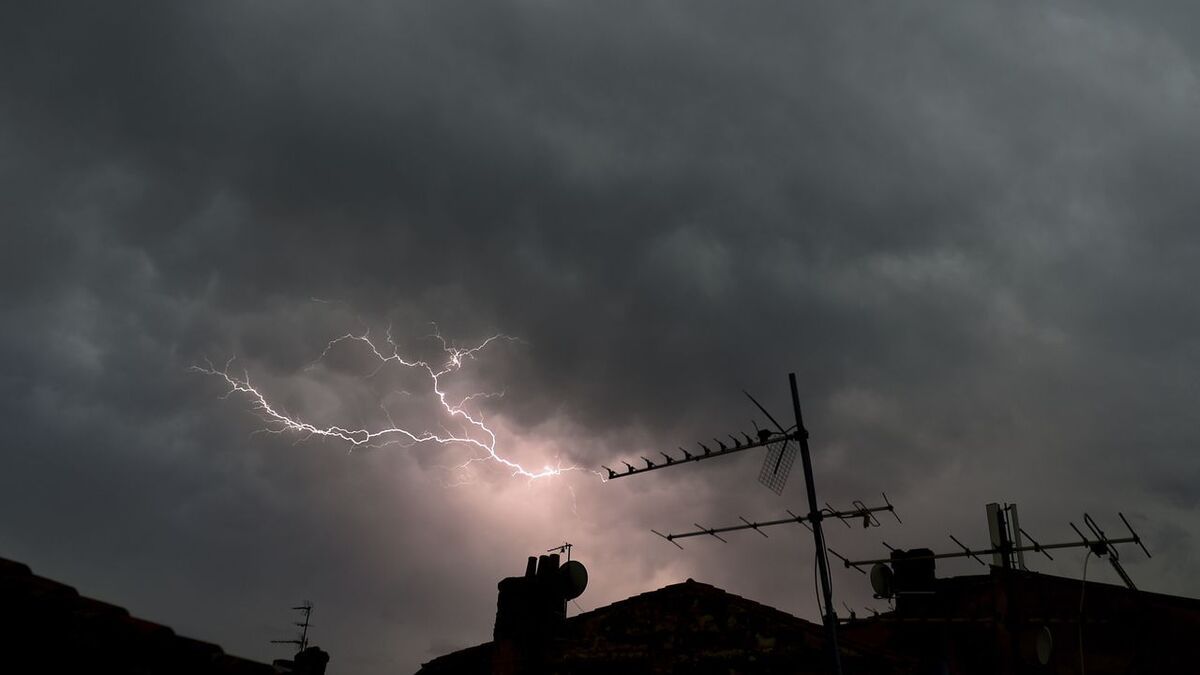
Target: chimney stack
531	608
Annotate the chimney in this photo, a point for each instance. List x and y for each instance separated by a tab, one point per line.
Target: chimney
308	661
531	608
914	578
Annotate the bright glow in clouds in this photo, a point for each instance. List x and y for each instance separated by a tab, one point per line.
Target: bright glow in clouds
475	433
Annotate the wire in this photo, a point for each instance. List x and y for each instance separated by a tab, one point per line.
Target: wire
816	586
829	575
1082	590
817	591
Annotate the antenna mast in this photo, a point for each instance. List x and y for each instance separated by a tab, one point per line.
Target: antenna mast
774	474
815	517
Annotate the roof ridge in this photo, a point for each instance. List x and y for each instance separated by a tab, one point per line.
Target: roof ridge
698	585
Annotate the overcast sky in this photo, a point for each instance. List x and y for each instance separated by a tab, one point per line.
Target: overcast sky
968	227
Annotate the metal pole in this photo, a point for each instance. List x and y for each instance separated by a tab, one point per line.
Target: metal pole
815	517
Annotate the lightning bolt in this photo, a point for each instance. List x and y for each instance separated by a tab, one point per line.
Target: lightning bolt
483	440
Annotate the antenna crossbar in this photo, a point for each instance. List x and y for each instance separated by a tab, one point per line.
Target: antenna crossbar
564	548
988	551
1100	544
864	513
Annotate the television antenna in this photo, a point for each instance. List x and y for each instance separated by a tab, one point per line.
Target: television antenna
774	473
1007	547
762	438
860	512
781	452
305	608
565	549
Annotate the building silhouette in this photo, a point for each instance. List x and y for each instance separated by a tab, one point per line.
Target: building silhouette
48	627
1006	621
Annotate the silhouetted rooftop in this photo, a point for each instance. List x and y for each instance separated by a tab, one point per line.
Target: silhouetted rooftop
47	626
686	627
1006	620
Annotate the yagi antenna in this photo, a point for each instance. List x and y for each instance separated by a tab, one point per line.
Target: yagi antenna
859	512
1103	546
781	452
765	438
305	608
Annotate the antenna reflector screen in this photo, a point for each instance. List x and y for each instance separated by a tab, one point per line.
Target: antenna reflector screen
777	465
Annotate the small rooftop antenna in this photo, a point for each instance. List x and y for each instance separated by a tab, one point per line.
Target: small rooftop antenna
305	608
565	548
1102	546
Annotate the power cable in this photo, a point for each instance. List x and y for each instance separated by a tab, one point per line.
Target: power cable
1082	590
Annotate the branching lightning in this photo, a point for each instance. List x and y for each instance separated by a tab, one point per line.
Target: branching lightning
475	433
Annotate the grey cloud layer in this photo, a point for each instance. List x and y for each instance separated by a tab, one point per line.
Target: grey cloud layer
968	226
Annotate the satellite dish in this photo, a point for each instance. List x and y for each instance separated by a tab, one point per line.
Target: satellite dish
1045	646
573	577
881	580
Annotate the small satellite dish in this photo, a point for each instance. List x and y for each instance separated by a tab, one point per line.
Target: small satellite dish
1045	646
881	580
574	578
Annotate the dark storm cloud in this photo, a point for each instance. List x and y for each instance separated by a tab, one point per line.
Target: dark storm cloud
968	227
